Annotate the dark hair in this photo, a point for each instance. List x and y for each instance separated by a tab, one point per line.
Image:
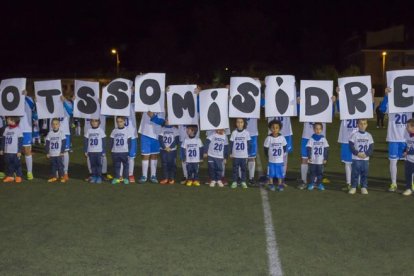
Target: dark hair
194	128
14	119
410	122
275	122
244	122
55	119
317	124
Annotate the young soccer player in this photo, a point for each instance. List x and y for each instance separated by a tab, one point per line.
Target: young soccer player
120	146
55	149
2	128
287	132
149	129
94	148
169	140
317	147
217	152
102	125
11	145
395	138
26	125
274	149
409	161
362	147
239	151
306	134
192	154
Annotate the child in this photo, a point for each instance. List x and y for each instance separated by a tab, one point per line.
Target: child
287	132
192	153
362	147
26	125
149	129
395	138
55	149
94	148
2	128
239	150
274	149
317	147
306	134
409	161
217	152
120	144
11	145
226	132
168	141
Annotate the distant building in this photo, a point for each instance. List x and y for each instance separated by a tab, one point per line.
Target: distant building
377	52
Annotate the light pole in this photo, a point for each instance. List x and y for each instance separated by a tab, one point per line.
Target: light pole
384	55
118	62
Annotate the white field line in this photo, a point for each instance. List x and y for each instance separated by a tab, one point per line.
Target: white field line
275	267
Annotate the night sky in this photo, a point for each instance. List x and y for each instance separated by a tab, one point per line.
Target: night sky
183	38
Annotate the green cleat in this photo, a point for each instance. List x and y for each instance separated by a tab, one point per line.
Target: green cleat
115	181
393	187
233	185
2	175
30	176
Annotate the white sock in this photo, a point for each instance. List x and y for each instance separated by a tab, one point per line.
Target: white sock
252	168
104	164
393	170
184	169
145	164
88	163
66	161
121	170
304	172
154	167
285	163
29	163
348	169
131	163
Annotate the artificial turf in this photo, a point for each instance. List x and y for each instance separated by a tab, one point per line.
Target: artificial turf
79	228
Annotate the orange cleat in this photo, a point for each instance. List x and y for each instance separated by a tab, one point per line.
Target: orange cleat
66	177
52	179
171	181
164	181
18	179
8	179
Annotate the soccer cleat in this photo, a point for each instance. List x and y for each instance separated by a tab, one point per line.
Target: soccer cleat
272	187
325	180
244	185
321	187
196	183
220	184
212	184
252	183
183	180
393	187
154	179
98	180
126	181
281	188
407	192
18	179
171	181
142	180
63	180
233	185
115	181
131	179
92	179
8	179
189	183
164	181
52	179
352	191
29	176
108	177
310	187
301	186
66	176
2	175
364	191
